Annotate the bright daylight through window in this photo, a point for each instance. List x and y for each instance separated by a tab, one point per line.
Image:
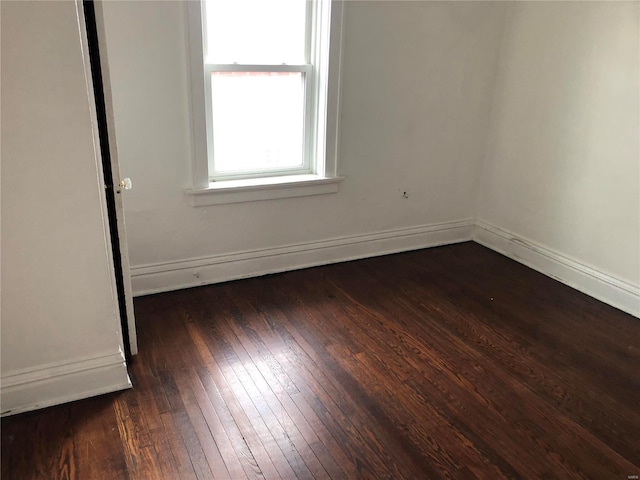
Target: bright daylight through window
261	88
265	95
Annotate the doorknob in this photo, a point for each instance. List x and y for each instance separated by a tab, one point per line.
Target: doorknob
124	183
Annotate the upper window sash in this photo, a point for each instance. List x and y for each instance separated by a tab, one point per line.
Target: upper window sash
309	22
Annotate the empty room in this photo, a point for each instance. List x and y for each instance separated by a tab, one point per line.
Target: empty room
320	239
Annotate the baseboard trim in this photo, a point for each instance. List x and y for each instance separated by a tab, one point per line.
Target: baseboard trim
61	382
602	286
168	276
162	277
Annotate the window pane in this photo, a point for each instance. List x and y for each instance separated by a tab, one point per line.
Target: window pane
256	31
257	120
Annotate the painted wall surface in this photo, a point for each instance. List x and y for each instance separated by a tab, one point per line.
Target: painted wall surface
58	301
563	160
416	94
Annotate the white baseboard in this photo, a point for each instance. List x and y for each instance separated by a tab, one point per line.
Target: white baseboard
162	277
62	382
604	287
167	276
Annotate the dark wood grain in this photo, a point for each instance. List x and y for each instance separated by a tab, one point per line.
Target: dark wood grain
452	362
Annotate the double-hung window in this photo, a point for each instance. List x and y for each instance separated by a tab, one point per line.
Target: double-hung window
265	79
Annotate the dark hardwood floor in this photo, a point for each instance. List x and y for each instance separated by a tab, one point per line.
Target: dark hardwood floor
452	362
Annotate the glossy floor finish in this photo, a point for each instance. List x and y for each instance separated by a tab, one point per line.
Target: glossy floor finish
452	362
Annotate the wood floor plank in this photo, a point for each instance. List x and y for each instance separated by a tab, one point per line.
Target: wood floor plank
384	459
367	463
267	347
49	449
279	388
297	433
140	455
270	433
217	384
451	342
224	440
452	362
204	435
185	435
179	452
15	444
547	379
99	452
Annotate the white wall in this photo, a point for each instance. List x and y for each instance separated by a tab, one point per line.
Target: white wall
562	169
527	121
416	100
61	335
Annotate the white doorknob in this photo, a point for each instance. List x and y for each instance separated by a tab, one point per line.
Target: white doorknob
126	183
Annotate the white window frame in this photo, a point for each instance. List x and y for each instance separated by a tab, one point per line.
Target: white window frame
318	175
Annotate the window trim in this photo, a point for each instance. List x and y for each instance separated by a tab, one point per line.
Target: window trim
313	181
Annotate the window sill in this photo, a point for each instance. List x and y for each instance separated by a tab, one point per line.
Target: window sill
255	189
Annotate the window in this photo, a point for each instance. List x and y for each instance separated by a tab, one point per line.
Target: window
265	84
